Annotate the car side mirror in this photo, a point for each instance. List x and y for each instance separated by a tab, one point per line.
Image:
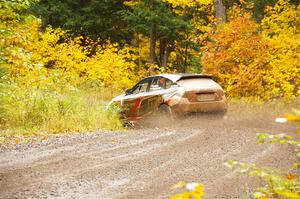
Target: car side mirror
128	92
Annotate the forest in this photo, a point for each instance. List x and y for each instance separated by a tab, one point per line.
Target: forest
62	58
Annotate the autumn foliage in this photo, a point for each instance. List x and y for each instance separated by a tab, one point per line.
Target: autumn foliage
52	82
29	51
257	60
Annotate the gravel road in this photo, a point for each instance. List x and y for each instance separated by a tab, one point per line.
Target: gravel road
146	161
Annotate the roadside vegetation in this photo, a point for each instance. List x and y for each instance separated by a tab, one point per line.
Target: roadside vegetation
50	83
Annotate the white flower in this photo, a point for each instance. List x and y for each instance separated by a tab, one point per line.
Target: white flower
191	186
281	120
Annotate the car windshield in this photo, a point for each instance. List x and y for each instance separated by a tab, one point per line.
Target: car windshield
142	86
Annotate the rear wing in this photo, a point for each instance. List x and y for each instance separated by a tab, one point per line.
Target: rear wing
176	77
195	76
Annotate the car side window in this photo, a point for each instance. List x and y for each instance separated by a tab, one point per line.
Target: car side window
142	86
159	83
154	84
162	82
169	83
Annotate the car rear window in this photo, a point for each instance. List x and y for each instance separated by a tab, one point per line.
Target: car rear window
199	83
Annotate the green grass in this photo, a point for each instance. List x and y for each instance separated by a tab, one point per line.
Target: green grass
30	110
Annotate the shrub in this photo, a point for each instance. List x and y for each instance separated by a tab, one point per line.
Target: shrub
26	109
52	82
257	60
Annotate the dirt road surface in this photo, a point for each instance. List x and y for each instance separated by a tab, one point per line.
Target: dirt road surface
145	162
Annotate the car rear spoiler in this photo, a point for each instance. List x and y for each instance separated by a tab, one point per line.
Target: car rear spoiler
192	76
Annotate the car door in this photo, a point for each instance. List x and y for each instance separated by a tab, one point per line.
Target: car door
154	97
151	100
135	104
155	94
160	91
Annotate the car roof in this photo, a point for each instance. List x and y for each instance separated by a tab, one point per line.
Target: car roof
178	76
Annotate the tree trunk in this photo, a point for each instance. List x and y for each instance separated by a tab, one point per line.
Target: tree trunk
164	53
152	43
161	51
220	11
185	59
136	43
165	59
